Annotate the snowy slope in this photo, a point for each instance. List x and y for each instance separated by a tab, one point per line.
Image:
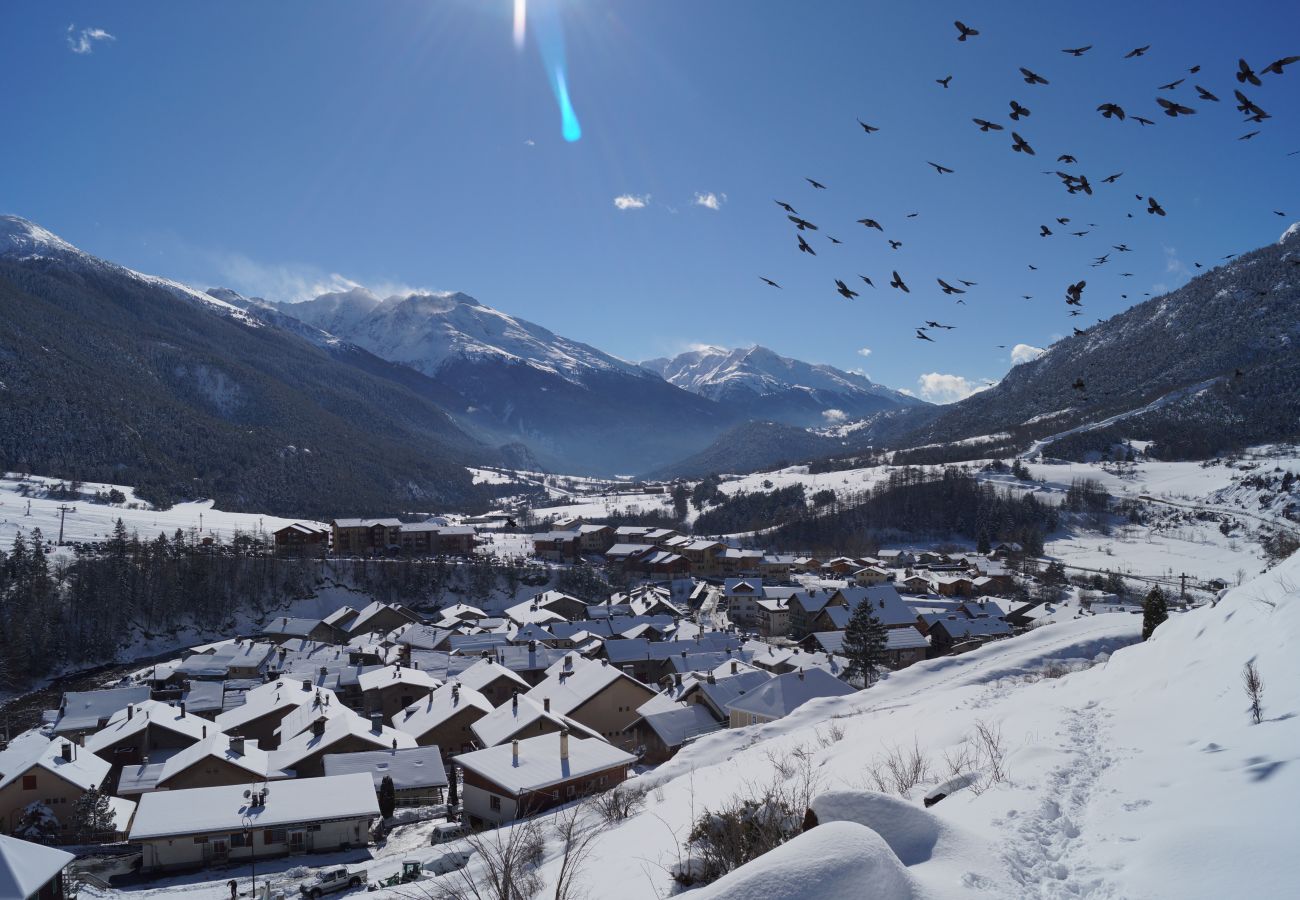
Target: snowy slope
426	330
718	373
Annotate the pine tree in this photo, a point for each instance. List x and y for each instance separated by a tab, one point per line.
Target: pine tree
387	797
91	815
1154	611
864	644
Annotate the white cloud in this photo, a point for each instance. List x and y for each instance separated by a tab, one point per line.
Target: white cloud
631	201
834	416
710	200
1023	353
530	143
939	388
83	41
865	351
1174	265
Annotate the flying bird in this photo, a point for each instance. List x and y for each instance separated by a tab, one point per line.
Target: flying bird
1111	179
1018	112
867	128
1067	159
965	31
1077	51
1143	122
867	280
1277	65
1080	233
1175	109
1032	77
1020	145
1076	312
1078	331
921	335
942	170
785	206
1122	248
816	184
1171	85
1032	267
898	283
893	244
834	240
986	125
948	288
1245	105
967	283
1111	110
943	81
1203	94
844	290
1154	207
1074	293
801	224
913	215
1244	74
1064	220
1248	136
1194	69
805	246
938	325
768	281
1137	52
870	223
1044	231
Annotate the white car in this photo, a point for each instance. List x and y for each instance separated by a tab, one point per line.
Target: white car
450	862
333	881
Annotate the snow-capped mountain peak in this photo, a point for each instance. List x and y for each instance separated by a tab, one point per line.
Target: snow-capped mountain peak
1291	234
19	237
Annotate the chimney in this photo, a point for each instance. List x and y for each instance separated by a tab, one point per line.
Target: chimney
318	727
734	667
130	713
677	679
604	661
801	673
67	751
394	743
712	679
306	684
564	745
546	704
514	703
236	745
455	692
532	646
205	731
182	715
377	721
324	671
514	748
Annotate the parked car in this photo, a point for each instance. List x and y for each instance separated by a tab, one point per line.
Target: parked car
333	881
450	862
448	831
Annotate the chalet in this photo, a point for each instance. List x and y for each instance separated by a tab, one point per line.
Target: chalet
594	539
493	680
983	606
32	871
299	539
807	564
437	538
81	712
625	554
214	760
381	618
776	564
530	776
952	585
34	768
146	729
734	561
782	695
1006	550
948	631
523	718
548	606
896	559
391	689
462	612
886	605
444	718
209	826
366	537
340	619
207	698
664	727
903	646
871	575
284	628
741	596
702	554
658	562
806	606
717	692
840	566
557	546
418	774
914	584
597	695
772	615
529	661
265	707
228	659
346	733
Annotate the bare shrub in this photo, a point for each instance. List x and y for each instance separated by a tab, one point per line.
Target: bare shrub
898	770
1254	685
619	804
833	733
503	866
575	831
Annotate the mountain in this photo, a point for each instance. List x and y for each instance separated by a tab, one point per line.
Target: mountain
108	374
1211	366
763	385
505	379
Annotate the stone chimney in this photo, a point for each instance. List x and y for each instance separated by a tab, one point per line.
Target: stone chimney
712	679
677	679
236	745
564	745
514	749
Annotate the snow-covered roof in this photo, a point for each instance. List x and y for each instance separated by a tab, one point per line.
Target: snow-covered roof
678	725
286	626
510	718
570	688
33	749
294	750
437	707
285	693
722	692
204	696
387	676
367	523
82	710
25	868
299	800
411	768
253	759
886	604
539	764
784	694
485	672
363	621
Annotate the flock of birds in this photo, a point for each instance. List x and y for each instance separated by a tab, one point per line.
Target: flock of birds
1072	183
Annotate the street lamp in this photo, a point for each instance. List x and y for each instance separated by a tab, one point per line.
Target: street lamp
247	822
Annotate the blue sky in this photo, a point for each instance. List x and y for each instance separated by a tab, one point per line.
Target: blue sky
279	147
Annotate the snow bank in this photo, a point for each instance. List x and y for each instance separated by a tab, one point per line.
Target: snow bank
838	861
910	832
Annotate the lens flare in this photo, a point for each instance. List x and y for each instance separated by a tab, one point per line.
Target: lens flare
521	19
569	125
549	34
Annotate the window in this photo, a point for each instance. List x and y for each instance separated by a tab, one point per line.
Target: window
571	790
201	839
274	836
494	802
237	839
29	782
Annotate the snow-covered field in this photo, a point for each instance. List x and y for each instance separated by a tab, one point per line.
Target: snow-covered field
95	521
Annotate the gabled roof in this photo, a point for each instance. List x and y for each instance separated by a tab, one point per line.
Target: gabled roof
340	617
387	676
486	671
216	745
886	604
297	800
681	724
286	626
570	688
510	718
338	728
960	626
367	615
25	868
144	715
367	523
784	694
204	696
539	765
33	749
724	691
284	694
437	707
412	768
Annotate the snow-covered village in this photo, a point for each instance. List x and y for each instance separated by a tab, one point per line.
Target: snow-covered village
522	449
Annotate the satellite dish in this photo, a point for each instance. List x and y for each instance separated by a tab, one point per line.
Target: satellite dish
247	794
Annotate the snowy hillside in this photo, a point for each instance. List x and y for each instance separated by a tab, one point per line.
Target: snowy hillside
426	330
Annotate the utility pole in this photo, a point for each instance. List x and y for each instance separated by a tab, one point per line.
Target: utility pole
64	509
1182	588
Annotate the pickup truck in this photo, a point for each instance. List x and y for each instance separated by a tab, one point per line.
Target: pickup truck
332	881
